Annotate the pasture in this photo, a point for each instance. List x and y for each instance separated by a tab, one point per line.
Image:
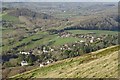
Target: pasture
97	32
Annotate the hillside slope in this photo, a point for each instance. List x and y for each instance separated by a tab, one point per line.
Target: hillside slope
99	64
101	16
29	13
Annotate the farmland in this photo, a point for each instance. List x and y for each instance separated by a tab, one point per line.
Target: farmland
97	32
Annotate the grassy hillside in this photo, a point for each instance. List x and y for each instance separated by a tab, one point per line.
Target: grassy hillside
99	64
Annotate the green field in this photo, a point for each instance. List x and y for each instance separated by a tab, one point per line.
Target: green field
43	38
62	41
28	39
8	17
98	32
100	64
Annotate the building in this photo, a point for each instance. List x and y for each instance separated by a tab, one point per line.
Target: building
48	62
91	41
51	50
98	38
26	53
82	41
45	51
41	65
24	63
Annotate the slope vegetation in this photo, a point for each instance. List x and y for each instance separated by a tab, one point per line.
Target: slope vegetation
99	64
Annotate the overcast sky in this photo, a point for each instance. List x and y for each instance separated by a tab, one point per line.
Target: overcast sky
59	0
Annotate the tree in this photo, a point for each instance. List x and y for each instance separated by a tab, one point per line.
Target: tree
21	57
30	60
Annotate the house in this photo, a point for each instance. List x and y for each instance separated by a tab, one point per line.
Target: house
69	48
41	65
66	45
24	63
86	44
64	34
51	50
44	48
48	62
92	37
82	41
45	51
61	48
26	53
44	63
74	45
99	38
91	41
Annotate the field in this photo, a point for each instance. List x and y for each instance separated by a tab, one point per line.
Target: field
62	41
98	32
106	60
9	18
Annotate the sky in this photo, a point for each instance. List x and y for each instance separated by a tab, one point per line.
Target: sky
60	0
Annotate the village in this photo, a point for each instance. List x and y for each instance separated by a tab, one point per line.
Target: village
86	40
89	37
25	63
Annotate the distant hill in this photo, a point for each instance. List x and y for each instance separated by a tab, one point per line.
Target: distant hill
26	12
100	64
100	16
106	19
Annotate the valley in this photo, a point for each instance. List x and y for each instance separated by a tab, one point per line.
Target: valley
37	40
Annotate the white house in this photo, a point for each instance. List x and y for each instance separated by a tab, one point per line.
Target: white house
62	48
91	41
24	63
44	48
52	50
41	65
74	45
82	41
66	45
26	53
98	38
48	62
92	37
86	44
69	48
45	51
